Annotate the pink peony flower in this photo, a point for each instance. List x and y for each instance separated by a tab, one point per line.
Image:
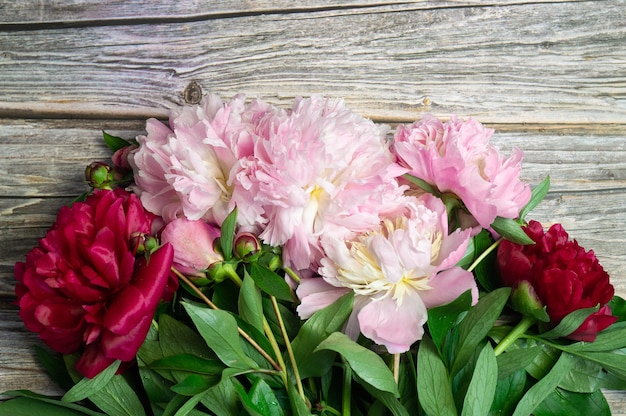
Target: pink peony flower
193	243
82	289
456	157
185	169
318	170
396	272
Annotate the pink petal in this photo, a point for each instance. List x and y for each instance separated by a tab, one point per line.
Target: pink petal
449	285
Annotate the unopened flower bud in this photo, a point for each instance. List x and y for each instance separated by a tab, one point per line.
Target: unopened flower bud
247	246
143	243
221	271
99	175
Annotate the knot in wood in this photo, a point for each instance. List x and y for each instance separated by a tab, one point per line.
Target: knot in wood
192	93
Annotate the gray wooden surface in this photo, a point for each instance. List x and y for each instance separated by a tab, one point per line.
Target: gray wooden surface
549	76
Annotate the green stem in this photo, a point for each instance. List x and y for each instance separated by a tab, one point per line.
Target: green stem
292	274
292	358
396	368
484	254
518	331
347	390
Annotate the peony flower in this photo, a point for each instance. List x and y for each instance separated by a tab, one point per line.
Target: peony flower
563	276
185	169
456	157
193	243
318	170
83	289
396	272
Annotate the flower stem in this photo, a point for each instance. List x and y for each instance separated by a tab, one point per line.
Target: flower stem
347	390
291	273
292	358
516	332
396	368
484	254
208	301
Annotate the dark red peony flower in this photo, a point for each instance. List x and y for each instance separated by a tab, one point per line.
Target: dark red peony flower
83	289
563	276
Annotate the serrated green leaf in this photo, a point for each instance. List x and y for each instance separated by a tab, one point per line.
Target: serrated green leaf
515	360
511	230
537	194
314	330
87	387
434	389
565	403
569	323
270	282
366	363
442	318
219	331
250	304
474	327
482	387
544	387
228	234
39	404
113	142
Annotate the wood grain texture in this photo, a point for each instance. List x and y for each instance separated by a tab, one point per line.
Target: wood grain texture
549	76
504	64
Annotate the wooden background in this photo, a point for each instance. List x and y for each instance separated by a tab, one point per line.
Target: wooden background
550	76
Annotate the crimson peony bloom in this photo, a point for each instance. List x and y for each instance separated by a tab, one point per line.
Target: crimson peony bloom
82	288
563	276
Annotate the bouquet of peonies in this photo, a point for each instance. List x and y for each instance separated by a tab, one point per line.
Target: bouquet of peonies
247	259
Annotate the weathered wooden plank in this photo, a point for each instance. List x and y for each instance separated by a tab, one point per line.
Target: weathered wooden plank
28	12
505	64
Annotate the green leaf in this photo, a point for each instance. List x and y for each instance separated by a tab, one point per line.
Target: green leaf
219	330
228	234
618	308
565	403
114	143
265	400
271	283
544	387
223	399
442	318
177	338
583	377
54	365
388	400
474	327
26	406
614	361
195	384
250	305
508	392
434	389
538	193
524	299
569	323
420	183
612	338
511	230
482	388
38	404
314	330
484	271
515	360
365	363
298	406
118	398
188	363
87	387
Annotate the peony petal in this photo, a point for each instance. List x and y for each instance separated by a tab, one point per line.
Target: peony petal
315	294
93	361
449	285
127	307
395	326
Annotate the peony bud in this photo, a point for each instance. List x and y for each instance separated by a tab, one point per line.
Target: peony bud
247	246
99	175
142	243
193	244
